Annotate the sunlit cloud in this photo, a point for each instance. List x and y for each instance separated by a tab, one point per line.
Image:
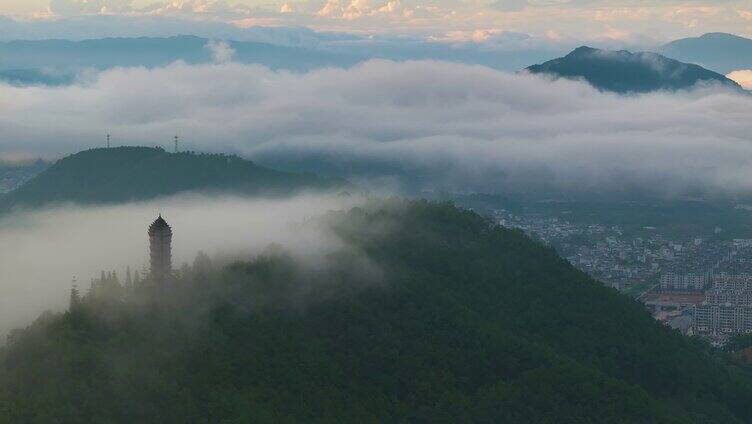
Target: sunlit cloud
661	20
743	77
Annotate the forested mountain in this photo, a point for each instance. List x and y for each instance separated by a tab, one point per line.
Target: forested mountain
123	174
625	72
430	314
717	51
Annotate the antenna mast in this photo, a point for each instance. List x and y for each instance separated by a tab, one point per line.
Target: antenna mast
108	141
176	144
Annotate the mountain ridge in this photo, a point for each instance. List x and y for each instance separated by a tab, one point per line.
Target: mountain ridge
625	72
30	59
121	174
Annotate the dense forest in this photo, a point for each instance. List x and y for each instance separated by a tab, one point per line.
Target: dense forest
122	174
429	314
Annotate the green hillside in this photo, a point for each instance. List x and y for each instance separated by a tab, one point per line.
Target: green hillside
431	315
136	173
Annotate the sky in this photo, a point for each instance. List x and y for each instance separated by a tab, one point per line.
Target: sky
452	20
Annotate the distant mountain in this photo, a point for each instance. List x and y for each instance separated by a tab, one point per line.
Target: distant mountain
56	62
21	77
626	72
40	60
135	173
718	51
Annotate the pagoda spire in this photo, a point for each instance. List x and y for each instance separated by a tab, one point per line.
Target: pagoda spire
160	252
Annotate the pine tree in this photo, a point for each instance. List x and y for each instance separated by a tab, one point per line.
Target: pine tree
202	267
185	271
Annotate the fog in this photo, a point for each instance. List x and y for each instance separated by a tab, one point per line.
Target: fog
42	251
456	126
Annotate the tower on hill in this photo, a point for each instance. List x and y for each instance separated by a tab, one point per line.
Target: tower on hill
160	252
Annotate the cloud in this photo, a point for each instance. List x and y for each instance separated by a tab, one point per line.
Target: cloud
510	5
355	9
742	77
82	7
438	125
221	51
625	19
114	237
215	9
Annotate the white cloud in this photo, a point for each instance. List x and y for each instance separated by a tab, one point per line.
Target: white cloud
221	51
215	9
81	7
454	125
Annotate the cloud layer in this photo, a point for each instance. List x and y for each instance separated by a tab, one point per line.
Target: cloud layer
743	77
442	125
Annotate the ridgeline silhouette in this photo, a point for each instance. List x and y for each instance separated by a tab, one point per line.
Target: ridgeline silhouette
123	174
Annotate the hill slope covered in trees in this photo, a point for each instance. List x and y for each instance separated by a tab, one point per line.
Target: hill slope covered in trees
625	72
431	314
124	174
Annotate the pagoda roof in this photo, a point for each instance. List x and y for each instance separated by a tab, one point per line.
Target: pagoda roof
160	225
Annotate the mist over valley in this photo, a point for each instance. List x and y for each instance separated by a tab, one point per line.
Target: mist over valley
375	211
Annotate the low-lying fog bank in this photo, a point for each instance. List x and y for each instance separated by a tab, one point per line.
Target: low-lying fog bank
42	251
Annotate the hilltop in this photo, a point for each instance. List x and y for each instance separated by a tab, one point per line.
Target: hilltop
626	72
122	174
430	314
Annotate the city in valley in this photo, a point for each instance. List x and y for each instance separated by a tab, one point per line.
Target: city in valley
696	284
